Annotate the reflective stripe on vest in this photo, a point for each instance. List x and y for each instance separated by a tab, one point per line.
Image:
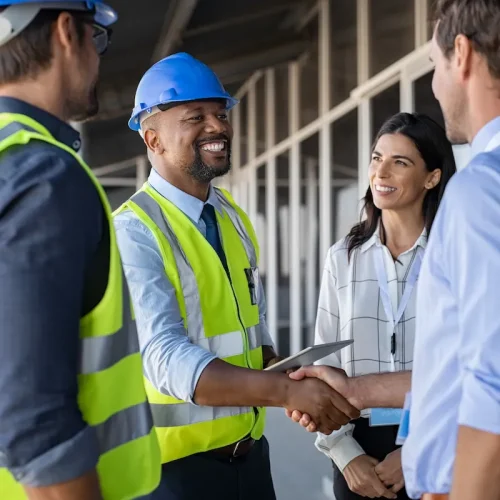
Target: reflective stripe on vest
238	224
111	394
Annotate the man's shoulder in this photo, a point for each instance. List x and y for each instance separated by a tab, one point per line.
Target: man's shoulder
481	176
23	167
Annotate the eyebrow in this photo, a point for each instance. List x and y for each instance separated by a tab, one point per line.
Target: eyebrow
396	157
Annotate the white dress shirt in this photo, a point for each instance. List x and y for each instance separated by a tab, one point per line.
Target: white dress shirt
350	307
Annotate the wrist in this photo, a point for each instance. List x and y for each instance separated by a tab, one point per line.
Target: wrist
354	392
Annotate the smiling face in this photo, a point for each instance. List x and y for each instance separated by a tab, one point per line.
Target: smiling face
194	137
398	175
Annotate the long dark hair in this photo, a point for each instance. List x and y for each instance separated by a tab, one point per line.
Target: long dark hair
430	140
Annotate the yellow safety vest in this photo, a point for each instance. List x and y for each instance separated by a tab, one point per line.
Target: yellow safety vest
219	315
111	396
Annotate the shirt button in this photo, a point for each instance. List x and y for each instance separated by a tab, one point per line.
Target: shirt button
77	144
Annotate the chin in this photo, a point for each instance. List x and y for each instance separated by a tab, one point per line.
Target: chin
385	204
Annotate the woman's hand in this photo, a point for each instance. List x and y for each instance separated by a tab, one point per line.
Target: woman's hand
390	471
362	479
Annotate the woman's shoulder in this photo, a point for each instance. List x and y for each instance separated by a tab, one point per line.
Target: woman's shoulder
339	251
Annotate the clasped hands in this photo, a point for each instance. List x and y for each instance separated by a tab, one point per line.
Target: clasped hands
335	382
365	475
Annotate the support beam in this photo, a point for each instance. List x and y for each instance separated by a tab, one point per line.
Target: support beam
237	20
271	212
252	152
115	167
294	213
312	250
177	18
325	141
142	171
236	67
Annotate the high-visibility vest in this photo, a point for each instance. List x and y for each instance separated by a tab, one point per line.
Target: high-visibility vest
111	393
219	315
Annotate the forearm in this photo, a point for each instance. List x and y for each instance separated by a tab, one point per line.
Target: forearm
477	466
82	488
381	390
223	384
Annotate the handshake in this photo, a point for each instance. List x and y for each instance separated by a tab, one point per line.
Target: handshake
320	399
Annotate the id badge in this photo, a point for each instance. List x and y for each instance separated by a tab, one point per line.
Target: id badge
404	426
385	416
252	274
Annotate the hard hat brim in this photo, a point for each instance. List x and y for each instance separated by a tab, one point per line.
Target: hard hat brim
134	122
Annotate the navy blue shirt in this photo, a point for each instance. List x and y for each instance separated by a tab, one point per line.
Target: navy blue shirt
54	259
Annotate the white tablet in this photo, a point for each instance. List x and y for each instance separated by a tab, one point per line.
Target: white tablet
308	356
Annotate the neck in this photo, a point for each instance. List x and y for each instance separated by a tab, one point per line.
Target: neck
484	107
186	183
43	93
402	229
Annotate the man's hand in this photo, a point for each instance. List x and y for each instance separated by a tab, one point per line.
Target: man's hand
390	471
334	377
326	407
362	479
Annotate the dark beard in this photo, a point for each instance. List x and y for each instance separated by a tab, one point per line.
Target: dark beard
203	173
81	111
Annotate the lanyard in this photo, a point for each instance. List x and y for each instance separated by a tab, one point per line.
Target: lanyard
386	298
494	143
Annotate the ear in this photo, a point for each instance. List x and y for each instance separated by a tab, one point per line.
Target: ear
433	179
153	142
65	32
463	55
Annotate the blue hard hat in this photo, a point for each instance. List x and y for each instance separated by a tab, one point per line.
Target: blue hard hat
175	79
19	18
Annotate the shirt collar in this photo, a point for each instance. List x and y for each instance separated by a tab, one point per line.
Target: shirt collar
60	130
375	240
188	204
484	136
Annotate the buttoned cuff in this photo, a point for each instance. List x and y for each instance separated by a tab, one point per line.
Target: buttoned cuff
480	404
67	461
342	451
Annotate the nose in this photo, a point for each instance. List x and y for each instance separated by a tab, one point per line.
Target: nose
382	169
214	125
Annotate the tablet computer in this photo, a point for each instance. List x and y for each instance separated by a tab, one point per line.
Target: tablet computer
308	356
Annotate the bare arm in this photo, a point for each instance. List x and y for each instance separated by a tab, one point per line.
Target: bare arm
382	390
83	488
477	466
241	386
222	384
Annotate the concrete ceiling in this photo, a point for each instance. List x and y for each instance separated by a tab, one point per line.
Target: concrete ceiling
234	37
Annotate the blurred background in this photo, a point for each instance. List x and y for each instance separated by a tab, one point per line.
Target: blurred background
315	79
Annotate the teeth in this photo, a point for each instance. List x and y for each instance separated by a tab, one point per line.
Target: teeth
384	189
213	146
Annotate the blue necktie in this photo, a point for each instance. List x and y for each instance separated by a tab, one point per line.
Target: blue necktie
212	236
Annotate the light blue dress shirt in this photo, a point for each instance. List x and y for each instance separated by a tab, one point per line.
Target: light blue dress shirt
171	362
456	369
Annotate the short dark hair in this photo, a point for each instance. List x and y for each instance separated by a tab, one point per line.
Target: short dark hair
430	140
30	52
478	20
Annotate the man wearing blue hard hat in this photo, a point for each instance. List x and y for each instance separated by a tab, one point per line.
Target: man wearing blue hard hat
191	259
75	423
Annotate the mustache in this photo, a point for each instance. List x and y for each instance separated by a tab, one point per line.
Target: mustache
213	138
